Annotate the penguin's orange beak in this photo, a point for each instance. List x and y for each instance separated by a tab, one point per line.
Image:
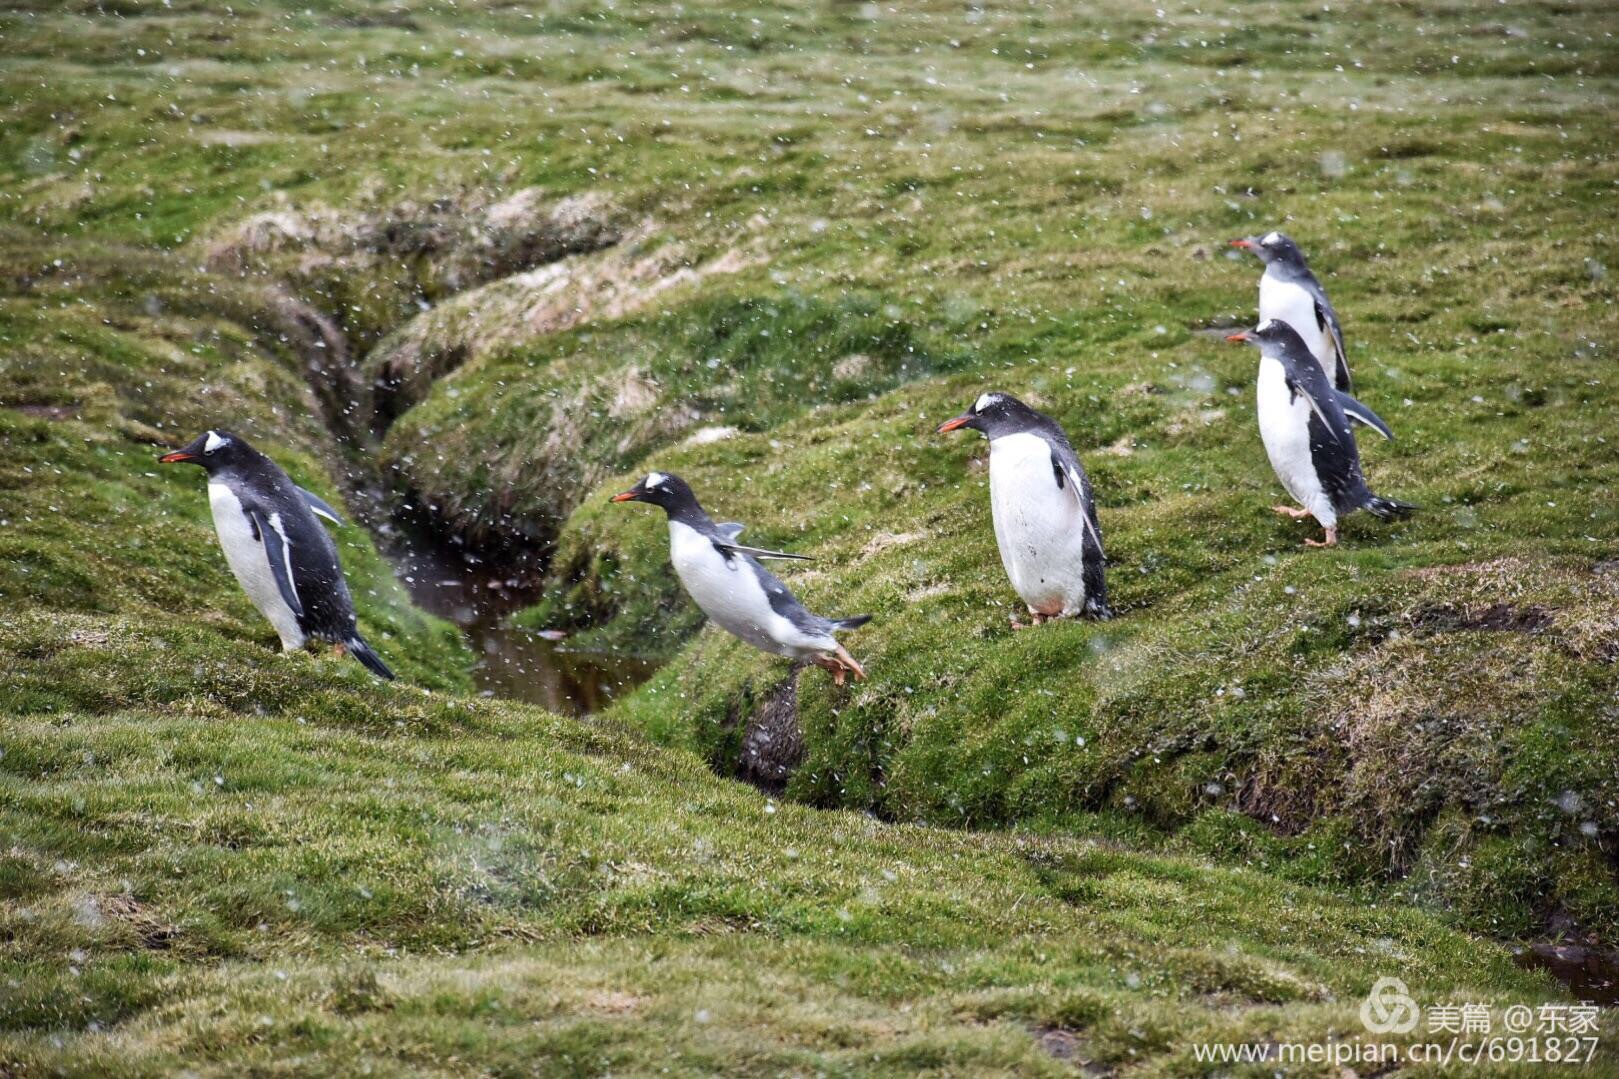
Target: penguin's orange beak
1246	245
176	457
955	424
627	496
1240	338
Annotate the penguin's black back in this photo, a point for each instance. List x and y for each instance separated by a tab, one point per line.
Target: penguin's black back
328	608
1333	452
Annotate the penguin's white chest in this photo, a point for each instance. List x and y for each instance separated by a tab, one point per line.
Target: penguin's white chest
1284	427
1293	304
248	561
1039	527
731	595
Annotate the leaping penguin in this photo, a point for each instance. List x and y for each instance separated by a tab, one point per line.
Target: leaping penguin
1304	423
725	579
283	558
1290	292
1043	507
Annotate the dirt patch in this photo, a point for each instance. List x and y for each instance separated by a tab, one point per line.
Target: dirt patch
47	412
370	20
853	367
1066	1046
612	1001
1219	326
1123	446
772	743
155	934
1496	617
882	541
469	237
1058	1043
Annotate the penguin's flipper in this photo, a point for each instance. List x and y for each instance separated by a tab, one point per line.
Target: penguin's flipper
1327	320
320	508
279	554
1359	413
1070	478
729	549
727	545
1299	389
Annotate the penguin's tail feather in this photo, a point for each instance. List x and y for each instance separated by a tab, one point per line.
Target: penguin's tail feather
1389	509
373	662
854	622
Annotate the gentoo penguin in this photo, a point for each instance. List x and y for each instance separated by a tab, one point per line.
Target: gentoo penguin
726	580
1304	423
1044	511
1290	292
284	560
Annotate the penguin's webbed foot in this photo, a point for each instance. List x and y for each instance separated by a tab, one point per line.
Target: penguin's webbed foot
840	664
1290	511
1330	541
850	664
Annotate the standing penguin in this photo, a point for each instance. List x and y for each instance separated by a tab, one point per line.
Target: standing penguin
1304	423
1044	511
1290	292
284	560
726	580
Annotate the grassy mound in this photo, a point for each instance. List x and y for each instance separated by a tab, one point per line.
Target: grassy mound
296	863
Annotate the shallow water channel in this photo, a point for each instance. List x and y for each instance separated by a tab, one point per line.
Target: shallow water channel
521	664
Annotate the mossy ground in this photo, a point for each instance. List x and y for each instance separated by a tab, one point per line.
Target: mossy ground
1276	776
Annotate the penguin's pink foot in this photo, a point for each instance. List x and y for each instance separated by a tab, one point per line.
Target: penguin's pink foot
341	649
1290	511
848	661
1330	541
841	664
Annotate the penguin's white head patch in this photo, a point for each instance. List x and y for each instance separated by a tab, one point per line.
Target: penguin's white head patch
1270	238
215	441
653	479
986	401
1268	325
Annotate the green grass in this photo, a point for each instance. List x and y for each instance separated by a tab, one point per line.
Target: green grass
797	239
265	868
